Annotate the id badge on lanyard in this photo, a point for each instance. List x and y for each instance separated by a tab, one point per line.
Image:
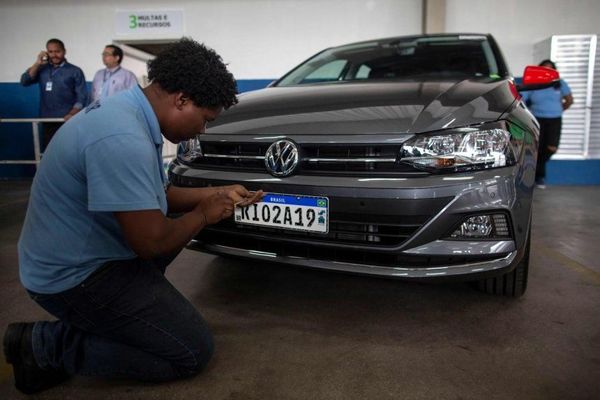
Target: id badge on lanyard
53	71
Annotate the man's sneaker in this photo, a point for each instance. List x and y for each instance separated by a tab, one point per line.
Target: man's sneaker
540	183
18	350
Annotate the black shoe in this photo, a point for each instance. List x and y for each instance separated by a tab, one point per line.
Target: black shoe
18	350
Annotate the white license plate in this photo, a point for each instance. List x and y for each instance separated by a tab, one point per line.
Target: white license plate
287	211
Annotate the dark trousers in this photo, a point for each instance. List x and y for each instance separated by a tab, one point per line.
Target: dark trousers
50	129
549	136
124	321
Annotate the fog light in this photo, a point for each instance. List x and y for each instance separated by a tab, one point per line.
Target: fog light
483	227
501	225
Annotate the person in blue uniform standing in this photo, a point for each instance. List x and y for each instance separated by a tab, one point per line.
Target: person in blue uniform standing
63	91
548	105
98	235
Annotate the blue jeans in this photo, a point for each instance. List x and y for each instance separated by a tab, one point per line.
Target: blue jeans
124	321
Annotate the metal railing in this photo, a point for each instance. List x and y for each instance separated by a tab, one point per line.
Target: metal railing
35	127
169	149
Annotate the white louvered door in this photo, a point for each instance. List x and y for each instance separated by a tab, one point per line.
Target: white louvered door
594	110
571	53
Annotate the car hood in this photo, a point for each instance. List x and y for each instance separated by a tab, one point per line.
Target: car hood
367	107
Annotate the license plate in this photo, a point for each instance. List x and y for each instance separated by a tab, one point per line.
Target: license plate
293	212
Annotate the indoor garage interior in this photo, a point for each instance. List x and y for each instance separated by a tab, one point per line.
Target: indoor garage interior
519	321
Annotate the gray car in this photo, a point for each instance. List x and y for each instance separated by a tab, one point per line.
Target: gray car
407	157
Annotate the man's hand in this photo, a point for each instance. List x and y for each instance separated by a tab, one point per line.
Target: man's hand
220	204
241	196
42	58
184	199
71	114
215	207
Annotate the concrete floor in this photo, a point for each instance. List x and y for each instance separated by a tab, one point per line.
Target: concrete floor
291	333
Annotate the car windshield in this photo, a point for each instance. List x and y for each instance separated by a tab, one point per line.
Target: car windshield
411	58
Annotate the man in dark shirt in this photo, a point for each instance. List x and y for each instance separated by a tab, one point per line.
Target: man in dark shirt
63	91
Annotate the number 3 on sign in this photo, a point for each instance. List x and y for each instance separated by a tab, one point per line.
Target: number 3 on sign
133	22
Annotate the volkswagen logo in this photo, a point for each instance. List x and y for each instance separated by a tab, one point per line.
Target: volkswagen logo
281	158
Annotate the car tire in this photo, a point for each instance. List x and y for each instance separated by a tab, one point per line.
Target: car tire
513	283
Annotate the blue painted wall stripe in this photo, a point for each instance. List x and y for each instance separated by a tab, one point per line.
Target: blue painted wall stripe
23	102
573	172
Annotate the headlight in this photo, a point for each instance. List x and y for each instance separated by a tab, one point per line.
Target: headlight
461	150
484	226
190	150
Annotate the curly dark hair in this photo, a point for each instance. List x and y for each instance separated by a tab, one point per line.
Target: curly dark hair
197	71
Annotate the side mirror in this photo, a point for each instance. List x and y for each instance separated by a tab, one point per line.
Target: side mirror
535	78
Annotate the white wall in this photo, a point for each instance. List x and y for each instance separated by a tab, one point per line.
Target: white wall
518	24
258	38
265	38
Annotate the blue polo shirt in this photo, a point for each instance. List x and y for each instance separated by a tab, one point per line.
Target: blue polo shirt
547	103
105	159
61	89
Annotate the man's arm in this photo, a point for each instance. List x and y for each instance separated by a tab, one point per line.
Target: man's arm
31	75
71	113
567	96
182	199
150	234
81	95
567	101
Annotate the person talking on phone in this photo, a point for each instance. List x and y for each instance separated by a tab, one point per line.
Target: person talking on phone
63	91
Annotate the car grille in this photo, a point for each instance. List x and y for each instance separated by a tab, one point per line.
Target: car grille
343	229
361	230
315	159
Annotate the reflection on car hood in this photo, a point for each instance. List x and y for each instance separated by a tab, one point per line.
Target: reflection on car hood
367	107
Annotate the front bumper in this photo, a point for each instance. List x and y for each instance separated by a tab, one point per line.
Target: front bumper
439	203
473	270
